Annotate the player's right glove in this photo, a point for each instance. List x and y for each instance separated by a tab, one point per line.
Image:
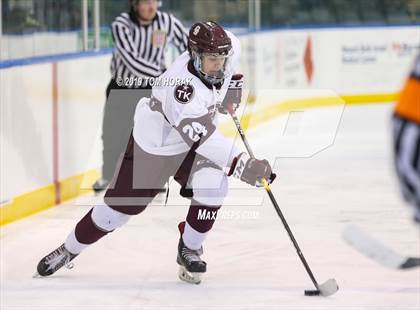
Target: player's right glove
251	170
233	95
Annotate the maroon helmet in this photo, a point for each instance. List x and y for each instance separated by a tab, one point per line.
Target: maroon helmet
209	38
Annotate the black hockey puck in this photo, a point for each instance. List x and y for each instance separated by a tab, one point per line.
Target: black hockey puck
312	292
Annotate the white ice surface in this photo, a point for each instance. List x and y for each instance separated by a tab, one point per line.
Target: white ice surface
251	262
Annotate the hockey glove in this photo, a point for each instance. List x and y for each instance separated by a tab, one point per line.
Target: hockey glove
233	95
251	170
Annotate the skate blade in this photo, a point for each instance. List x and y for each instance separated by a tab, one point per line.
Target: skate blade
36	275
189	277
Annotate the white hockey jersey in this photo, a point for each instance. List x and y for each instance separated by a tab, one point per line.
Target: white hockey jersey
188	116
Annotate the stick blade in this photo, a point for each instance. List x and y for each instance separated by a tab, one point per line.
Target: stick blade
328	288
411	262
372	248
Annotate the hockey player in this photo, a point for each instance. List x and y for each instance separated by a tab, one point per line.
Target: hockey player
406	122
175	134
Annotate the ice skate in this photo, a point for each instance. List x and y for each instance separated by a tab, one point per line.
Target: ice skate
191	266
55	260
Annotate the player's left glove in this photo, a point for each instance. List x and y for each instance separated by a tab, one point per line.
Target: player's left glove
251	170
233	95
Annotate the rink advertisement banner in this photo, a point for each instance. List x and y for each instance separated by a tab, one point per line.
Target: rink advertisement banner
348	61
52	147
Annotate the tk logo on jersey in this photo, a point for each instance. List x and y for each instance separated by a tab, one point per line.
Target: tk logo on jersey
184	93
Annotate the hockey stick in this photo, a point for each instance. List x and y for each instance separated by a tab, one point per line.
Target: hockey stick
376	250
325	289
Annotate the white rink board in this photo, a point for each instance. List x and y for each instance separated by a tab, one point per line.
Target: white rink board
81	89
251	262
25	132
27	122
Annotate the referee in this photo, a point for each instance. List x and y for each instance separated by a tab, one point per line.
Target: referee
140	38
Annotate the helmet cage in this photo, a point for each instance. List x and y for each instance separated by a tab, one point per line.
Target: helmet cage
198	56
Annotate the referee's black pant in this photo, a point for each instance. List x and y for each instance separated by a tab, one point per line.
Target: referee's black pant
407	160
118	122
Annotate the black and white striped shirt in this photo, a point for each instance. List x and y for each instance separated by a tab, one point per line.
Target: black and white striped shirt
139	49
